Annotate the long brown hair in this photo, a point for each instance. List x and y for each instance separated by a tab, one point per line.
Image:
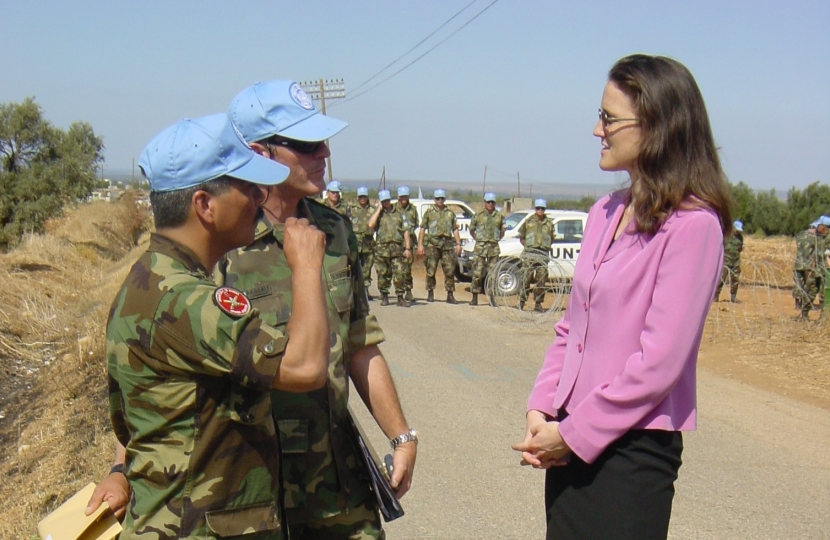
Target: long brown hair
678	164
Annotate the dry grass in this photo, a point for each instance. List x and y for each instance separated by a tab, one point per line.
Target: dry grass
54	428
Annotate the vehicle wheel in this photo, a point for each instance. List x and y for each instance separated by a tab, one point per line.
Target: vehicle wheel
508	278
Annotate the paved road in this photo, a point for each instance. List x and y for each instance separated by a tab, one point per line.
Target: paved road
756	468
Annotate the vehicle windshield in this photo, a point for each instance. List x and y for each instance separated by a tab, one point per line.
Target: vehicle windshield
514	219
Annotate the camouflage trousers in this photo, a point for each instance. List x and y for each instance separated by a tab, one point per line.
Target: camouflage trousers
359	523
732	276
486	255
445	253
808	284
366	254
534	274
407	270
389	265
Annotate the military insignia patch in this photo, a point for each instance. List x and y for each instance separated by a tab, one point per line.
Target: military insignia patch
231	301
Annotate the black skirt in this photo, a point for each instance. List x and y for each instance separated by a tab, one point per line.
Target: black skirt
625	494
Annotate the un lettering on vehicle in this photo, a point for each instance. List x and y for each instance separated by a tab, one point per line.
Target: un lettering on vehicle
565	253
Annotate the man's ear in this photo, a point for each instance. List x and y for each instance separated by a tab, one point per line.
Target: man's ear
260	149
204	204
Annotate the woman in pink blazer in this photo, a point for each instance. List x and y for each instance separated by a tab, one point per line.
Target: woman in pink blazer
618	383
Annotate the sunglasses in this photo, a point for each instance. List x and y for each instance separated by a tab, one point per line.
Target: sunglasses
606	119
302	147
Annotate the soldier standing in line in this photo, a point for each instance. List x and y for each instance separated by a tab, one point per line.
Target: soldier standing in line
486	228
439	227
334	200
361	212
536	235
732	247
394	245
326	486
811	266
191	367
411	214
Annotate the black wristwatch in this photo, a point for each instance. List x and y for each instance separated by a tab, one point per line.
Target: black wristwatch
119	468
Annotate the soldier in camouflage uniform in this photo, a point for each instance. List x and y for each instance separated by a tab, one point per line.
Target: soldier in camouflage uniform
486	228
536	235
392	249
190	364
439	233
411	214
334	200
326	491
361	212
811	266
732	247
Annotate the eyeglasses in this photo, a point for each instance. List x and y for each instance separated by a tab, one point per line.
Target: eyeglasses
606	119
440	198
303	147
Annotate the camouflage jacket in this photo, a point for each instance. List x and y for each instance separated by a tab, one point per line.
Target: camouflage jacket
809	251
438	225
411	214
190	400
391	226
321	467
342	207
537	234
486	227
360	220
732	247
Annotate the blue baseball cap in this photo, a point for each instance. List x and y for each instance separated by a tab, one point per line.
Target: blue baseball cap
334	186
362	192
280	108
739	225
540	203
814	224
824	220
439	193
403	191
489	197
384	195
192	152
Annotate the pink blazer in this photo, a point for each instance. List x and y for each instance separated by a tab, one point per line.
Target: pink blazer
626	348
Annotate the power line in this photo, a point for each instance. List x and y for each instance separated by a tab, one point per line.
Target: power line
355	96
364	83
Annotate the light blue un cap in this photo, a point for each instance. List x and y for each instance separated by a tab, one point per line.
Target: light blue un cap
739	225
280	108
362	192
438	193
489	197
334	186
384	195
540	203
824	220
403	191
192	152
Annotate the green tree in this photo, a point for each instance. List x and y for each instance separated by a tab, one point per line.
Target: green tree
42	168
804	207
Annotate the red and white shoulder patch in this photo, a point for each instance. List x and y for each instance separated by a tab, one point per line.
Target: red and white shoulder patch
232	301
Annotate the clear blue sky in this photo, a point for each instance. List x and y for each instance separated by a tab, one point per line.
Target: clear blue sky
516	90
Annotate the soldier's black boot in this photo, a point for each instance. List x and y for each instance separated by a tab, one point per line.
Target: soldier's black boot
409	297
368	295
474	301
430	296
402	301
384	299
492	301
734	298
450	298
521	305
538	308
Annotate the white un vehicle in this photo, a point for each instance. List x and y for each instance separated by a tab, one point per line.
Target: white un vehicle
564	251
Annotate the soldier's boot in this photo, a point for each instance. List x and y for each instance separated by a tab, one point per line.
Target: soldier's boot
492	301
430	296
450	298
384	299
474	301
521	305
538	308
409	297
402	301
369	295
734	298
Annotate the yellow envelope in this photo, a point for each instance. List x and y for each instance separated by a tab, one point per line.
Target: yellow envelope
68	521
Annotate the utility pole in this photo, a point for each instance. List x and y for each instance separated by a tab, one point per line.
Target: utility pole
519	184
484	182
320	90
